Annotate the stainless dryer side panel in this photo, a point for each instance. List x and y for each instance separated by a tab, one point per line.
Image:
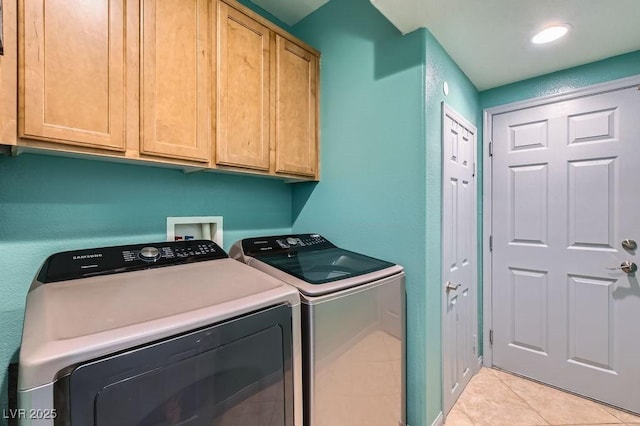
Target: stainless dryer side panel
354	355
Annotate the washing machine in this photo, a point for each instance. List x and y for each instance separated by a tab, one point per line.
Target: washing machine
353	327
171	333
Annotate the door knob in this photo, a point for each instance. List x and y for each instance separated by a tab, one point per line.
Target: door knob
629	244
451	286
626	267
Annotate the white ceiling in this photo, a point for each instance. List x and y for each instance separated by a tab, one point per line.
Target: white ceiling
490	39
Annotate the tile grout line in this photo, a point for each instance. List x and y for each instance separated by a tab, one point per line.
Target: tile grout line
462	408
620	421
523	400
513	392
505	377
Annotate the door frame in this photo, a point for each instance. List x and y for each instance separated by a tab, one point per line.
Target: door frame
487	197
476	364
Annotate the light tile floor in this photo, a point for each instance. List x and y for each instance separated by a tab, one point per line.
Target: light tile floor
495	398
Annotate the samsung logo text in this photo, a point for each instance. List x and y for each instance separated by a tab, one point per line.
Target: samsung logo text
87	256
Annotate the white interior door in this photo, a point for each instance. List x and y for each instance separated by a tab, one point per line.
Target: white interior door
566	194
459	274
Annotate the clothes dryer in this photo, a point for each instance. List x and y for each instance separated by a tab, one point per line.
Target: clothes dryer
171	333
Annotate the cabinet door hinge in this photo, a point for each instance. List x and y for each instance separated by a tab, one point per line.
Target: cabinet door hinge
490	148
490	243
474	169
491	336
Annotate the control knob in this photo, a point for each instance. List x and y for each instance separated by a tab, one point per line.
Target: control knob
292	241
149	254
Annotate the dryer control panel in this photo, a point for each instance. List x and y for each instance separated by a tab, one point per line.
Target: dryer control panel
76	264
284	244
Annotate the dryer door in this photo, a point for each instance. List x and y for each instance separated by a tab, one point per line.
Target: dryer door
237	372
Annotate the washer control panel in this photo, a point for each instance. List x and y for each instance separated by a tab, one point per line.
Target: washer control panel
71	265
285	244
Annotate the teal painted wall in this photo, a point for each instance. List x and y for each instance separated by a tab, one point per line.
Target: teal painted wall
463	98
379	192
381	169
265	14
51	204
371	197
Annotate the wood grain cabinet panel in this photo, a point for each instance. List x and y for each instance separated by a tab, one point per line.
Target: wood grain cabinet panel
176	93
9	74
73	84
243	101
296	109
207	84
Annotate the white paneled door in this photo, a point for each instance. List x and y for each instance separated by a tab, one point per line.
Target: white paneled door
459	265
566	197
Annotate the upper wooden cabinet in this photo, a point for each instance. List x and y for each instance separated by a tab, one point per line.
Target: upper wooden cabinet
9	75
176	78
296	109
267	103
243	98
72	84
200	84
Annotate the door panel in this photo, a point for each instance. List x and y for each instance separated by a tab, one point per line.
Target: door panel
529	204
592	199
528	291
458	259
565	196
590	322
237	372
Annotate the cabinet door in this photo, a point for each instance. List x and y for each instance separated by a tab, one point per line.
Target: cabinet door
8	73
72	72
176	76
243	101
296	109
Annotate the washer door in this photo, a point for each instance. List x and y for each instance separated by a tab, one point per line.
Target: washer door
237	372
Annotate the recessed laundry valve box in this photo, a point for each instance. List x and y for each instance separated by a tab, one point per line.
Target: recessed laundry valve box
195	228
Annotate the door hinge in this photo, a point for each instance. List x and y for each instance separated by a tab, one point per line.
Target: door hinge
490	243
474	169
491	336
490	148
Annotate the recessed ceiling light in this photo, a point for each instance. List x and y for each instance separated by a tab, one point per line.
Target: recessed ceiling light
550	34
